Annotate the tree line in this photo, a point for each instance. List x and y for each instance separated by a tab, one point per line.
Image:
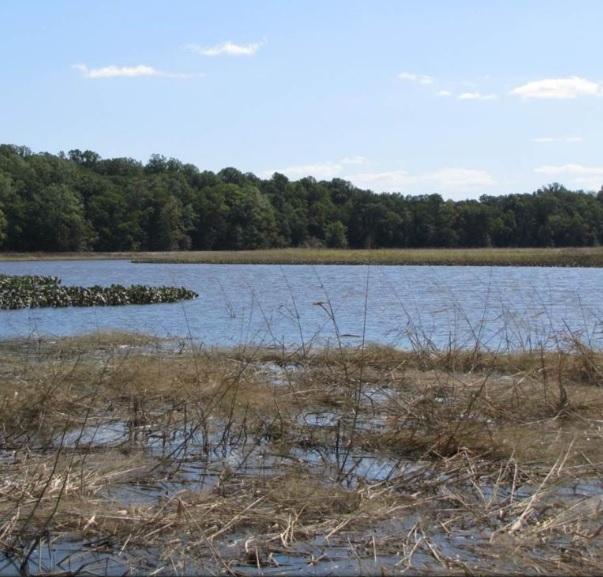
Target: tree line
79	201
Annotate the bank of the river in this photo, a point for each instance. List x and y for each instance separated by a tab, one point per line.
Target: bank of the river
567	257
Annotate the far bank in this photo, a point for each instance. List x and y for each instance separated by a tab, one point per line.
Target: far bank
566	257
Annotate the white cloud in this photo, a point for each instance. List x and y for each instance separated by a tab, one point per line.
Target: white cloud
117	71
444	93
559	88
569	169
445	180
476	96
417	78
461	177
227	48
319	170
126	72
546	139
389	180
585	176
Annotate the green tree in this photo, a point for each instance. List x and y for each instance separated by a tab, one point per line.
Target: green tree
170	233
336	235
81	201
3	227
57	221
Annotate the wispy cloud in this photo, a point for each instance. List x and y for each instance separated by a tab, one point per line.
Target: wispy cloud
570	169
586	176
319	170
140	70
546	139
445	180
227	48
416	78
117	71
558	88
353	160
469	94
461	177
476	96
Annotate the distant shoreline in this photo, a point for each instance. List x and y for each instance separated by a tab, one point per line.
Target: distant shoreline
546	257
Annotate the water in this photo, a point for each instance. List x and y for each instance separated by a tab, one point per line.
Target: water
403	306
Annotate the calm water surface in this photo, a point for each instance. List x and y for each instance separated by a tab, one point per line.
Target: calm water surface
404	306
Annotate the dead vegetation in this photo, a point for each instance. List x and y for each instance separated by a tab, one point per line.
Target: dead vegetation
123	454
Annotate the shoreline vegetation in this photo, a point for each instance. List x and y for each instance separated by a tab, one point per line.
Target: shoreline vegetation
78	201
555	257
125	454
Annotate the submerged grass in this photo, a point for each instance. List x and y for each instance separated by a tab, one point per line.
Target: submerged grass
134	455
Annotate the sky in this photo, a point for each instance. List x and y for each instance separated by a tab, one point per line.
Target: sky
456	97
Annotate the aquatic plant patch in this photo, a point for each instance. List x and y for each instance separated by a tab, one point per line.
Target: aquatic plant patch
20	292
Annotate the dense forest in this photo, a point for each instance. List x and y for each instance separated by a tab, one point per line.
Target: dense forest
79	201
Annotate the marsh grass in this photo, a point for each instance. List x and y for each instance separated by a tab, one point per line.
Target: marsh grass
583	257
574	257
142	456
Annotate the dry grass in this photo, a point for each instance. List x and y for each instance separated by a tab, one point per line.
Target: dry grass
371	460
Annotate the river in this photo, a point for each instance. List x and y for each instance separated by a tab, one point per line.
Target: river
501	308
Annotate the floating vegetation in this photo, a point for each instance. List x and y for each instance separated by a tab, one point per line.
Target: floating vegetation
20	292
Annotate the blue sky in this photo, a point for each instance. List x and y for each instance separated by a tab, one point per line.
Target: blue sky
462	98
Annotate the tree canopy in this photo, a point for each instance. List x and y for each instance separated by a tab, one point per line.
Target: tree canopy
80	201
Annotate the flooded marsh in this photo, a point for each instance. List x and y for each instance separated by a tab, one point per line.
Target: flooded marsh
128	454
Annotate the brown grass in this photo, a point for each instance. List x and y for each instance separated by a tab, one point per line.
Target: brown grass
239	458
